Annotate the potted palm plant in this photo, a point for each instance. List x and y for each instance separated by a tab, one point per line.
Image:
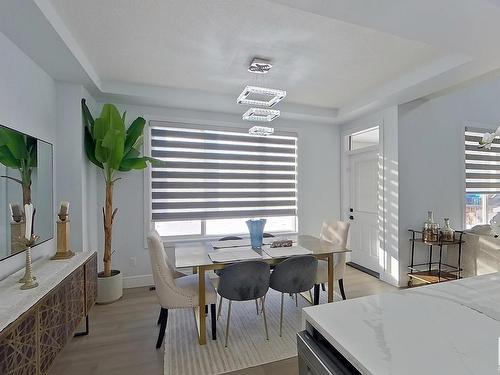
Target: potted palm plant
113	148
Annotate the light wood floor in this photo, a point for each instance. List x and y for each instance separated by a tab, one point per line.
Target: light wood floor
123	335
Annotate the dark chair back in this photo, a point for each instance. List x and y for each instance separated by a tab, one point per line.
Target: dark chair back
295	275
230	238
244	281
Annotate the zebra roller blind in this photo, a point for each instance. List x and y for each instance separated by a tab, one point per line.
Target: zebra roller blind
482	166
219	173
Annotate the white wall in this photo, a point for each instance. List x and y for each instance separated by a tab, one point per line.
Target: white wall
387	120
31	102
27	104
76	180
431	157
318	187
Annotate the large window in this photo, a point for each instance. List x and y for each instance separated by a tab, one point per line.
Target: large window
482	179
217	178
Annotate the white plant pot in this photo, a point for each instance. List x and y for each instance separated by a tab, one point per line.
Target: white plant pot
109	289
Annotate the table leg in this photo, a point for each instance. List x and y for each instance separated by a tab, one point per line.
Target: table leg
430	258
201	300
440	260
331	284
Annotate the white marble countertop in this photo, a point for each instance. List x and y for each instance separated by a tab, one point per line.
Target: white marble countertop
49	273
447	328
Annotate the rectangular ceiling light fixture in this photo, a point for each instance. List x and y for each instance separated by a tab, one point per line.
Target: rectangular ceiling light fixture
261	114
260	66
260	130
253	95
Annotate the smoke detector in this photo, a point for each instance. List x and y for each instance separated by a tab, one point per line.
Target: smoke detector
260	66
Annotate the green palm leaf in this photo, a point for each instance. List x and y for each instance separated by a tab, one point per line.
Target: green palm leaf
110	145
7	159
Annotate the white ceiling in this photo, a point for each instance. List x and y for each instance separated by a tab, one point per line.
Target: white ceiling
207	45
337	59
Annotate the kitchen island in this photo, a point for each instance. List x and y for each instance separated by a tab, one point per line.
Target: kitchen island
447	328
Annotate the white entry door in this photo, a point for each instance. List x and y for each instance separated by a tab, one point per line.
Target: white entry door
363	195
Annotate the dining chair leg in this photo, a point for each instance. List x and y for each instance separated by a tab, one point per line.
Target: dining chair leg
219	311
163	326
316	294
341	287
159	318
263	301
281	314
257	306
213	319
227	323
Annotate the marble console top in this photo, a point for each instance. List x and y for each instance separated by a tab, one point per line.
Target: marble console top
447	328
14	301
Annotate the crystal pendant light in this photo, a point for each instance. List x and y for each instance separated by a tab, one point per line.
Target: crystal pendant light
262	96
260	130
261	114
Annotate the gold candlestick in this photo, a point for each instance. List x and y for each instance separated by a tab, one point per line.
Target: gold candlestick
63	239
28	279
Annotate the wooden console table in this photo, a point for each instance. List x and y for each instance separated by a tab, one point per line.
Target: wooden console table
36	324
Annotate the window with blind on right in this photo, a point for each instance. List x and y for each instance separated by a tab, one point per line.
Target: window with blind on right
482	178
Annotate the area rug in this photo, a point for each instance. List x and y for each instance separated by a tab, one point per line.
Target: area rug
247	345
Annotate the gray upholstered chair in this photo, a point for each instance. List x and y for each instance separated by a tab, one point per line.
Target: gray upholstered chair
214	277
175	292
294	275
244	281
335	232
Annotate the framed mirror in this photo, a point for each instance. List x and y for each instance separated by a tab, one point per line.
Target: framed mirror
26	175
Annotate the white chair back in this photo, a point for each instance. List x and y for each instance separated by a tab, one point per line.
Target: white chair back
169	295
336	232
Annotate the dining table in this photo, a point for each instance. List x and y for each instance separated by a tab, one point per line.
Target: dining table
197	256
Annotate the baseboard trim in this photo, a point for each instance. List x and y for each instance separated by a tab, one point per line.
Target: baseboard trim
364	269
137	281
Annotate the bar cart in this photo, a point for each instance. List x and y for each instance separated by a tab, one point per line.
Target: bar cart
434	272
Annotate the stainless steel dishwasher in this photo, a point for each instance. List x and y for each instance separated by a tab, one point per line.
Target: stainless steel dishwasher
318	357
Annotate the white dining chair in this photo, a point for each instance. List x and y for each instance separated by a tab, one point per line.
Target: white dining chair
335	232
175	291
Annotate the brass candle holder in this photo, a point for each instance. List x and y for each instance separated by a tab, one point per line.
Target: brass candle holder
17	240
28	279
63	238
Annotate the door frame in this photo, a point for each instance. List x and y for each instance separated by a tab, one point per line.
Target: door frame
345	179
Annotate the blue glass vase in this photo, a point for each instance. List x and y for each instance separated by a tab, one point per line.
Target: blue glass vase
256	229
